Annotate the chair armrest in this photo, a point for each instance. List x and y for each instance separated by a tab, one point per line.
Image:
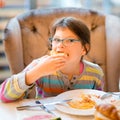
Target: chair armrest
12	42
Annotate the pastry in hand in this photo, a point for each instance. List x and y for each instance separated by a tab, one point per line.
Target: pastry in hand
106	112
52	52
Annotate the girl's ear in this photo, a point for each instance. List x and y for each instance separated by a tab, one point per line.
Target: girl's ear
86	49
84	52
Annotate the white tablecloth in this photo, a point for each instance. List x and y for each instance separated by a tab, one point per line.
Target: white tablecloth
8	111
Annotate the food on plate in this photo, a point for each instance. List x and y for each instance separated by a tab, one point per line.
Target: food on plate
106	112
52	52
85	101
117	104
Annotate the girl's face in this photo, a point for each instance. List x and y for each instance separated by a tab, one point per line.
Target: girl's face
74	50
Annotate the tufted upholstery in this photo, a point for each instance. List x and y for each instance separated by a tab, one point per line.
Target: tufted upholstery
26	38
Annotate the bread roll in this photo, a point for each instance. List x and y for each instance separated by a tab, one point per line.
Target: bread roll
106	112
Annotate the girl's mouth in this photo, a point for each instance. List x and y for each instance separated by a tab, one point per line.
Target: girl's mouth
58	52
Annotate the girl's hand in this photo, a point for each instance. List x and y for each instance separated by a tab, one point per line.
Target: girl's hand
49	64
44	66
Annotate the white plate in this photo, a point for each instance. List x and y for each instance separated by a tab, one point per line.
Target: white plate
74	94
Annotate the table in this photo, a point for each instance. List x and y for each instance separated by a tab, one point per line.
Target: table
8	111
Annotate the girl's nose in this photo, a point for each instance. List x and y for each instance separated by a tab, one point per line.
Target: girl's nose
61	44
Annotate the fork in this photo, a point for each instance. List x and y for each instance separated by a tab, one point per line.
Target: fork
39	104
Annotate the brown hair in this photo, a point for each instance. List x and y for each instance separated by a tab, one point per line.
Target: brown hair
77	27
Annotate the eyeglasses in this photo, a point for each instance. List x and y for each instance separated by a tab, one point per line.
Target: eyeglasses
65	42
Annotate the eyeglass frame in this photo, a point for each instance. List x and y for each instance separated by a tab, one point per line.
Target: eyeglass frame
62	40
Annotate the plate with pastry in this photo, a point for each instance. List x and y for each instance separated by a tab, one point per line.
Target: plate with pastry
83	101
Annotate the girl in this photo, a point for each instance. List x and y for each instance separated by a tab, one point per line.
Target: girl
64	70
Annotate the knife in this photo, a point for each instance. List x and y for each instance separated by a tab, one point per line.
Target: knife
39	104
43	107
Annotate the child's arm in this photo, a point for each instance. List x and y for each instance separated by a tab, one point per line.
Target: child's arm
13	88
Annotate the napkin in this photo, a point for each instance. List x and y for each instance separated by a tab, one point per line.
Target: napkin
35	115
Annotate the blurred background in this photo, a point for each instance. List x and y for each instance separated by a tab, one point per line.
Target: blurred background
11	8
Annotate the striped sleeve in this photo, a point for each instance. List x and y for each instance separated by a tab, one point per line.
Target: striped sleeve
13	88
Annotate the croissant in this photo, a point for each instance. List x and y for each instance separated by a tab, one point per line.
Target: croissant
106	112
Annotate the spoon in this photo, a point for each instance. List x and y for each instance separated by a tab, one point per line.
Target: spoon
110	94
105	96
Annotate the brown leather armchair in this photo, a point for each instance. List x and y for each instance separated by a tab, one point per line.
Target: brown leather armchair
26	38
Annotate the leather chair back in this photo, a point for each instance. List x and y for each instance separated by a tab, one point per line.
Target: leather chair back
26	38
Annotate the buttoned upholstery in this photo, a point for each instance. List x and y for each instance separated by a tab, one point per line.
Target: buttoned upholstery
26	38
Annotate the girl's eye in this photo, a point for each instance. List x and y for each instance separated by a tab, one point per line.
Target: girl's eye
57	40
71	40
